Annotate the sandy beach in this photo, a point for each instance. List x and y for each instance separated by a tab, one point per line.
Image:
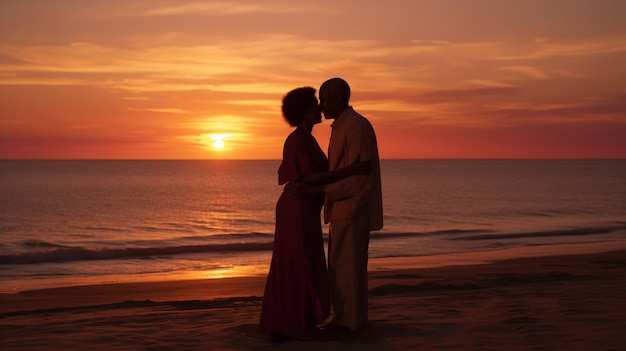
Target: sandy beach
564	302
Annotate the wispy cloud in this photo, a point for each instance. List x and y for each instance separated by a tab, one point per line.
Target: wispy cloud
528	70
225	8
549	47
163	110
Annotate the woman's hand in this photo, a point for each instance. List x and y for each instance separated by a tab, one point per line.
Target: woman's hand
298	189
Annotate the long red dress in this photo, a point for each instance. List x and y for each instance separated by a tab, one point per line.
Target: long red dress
296	294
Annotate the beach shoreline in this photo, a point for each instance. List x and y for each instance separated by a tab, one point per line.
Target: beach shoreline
567	300
375	264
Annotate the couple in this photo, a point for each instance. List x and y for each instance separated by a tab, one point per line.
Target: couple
347	184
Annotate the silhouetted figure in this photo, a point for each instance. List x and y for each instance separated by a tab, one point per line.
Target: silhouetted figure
353	206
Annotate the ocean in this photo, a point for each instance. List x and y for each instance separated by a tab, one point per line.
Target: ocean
66	223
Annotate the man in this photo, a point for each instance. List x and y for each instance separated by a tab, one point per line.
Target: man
353	206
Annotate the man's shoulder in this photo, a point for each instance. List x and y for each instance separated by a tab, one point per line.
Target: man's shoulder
355	116
360	120
351	121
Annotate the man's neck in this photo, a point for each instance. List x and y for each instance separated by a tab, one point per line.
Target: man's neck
340	114
343	111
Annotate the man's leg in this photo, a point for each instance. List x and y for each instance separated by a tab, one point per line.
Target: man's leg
347	267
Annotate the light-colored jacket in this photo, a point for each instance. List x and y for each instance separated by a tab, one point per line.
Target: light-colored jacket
353	136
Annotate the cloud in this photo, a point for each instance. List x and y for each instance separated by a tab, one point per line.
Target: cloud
166	63
528	70
546	47
608	110
163	110
224	8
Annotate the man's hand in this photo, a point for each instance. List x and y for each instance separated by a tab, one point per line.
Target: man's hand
359	167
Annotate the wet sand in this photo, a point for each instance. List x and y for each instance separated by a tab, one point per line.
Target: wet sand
559	302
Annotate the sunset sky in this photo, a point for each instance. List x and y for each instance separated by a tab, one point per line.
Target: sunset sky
165	79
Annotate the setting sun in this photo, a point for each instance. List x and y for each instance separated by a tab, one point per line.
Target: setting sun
216	141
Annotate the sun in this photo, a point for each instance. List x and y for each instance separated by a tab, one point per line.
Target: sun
215	141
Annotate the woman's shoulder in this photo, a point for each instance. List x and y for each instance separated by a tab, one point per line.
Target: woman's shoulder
296	141
300	136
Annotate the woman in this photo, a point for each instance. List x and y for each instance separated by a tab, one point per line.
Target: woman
297	297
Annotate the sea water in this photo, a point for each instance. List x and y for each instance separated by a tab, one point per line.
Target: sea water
85	222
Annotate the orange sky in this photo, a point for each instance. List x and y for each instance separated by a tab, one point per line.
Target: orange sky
162	79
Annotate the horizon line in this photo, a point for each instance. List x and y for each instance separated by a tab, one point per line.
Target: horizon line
278	159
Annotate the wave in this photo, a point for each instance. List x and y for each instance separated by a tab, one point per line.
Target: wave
58	253
38	251
392	235
551	233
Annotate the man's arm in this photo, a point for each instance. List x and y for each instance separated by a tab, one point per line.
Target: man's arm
312	184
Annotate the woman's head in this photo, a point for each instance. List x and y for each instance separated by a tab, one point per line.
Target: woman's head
298	104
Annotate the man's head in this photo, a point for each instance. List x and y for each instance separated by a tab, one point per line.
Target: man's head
334	97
